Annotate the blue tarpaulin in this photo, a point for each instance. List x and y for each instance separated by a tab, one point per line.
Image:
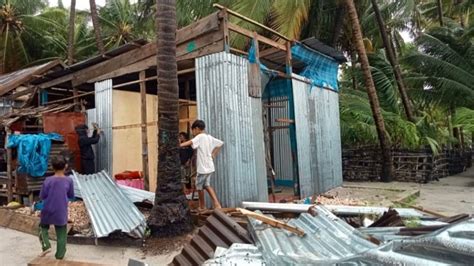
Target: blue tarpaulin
33	152
322	70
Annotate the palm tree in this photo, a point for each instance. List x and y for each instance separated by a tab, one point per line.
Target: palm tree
387	165
121	23
96	25
170	214
20	27
72	28
390	52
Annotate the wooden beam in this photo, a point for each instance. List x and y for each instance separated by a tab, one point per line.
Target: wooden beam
146	180
9	167
249	20
135	67
272	222
284	120
181	72
269	51
201	27
70	98
255	81
249	34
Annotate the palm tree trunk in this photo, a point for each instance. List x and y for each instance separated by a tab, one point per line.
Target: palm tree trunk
70	44
96	25
440	13
170	215
390	52
387	165
338	25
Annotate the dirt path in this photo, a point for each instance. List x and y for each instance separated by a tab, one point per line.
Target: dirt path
17	248
451	195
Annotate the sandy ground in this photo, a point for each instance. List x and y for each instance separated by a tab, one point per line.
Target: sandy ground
451	195
17	248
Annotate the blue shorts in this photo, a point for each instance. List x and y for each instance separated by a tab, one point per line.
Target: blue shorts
203	181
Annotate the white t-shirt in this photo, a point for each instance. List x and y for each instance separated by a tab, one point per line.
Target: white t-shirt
205	144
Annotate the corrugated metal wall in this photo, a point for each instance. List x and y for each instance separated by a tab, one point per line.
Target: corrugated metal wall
103	113
236	118
318	138
281	148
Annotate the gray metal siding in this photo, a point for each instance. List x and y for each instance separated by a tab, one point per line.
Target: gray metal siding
282	162
318	138
104	108
234	117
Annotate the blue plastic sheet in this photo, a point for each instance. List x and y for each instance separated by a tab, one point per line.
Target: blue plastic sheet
33	152
320	69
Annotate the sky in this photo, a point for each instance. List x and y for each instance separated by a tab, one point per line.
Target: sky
80	4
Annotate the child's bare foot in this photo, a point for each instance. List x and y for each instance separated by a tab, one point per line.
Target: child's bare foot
44	253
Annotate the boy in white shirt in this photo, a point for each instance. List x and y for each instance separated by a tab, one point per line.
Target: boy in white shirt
207	149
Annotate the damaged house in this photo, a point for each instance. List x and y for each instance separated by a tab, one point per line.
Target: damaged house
274	103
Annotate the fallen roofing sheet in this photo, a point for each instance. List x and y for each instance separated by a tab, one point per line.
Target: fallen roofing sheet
237	254
336	209
219	231
453	244
135	195
328	240
109	209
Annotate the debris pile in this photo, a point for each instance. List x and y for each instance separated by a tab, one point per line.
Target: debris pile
79	217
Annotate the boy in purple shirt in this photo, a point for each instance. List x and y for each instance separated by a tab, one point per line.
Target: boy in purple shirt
55	193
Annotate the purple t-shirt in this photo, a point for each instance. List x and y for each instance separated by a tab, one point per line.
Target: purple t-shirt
55	193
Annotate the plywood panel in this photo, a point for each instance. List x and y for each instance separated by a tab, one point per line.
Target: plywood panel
127	149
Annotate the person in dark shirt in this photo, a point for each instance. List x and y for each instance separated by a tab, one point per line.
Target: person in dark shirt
186	156
55	192
85	146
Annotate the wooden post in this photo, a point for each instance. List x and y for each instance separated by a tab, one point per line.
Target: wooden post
225	27
9	166
292	126
77	107
187	96
146	171
255	81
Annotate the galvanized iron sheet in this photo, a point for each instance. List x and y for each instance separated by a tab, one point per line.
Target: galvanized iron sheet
318	138
328	239
219	231
234	117
109	209
281	148
104	107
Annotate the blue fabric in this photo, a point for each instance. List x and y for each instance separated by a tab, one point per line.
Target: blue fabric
33	152
320	69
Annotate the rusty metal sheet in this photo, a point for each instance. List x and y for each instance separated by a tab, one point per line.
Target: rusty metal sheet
64	124
219	231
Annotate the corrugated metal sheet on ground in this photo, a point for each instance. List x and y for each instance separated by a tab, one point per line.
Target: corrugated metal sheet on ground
135	195
318	138
237	254
234	117
328	240
452	245
219	231
109	209
358	210
103	112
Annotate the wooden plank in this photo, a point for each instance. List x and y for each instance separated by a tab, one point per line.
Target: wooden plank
200	27
269	51
255	81
251	21
284	120
9	166
71	98
210	49
198	43
135	67
145	169
272	222
249	34
48	261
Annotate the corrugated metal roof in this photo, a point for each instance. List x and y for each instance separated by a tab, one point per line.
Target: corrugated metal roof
219	231
234	117
328	239
109	209
32	112
358	210
319	46
12	80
